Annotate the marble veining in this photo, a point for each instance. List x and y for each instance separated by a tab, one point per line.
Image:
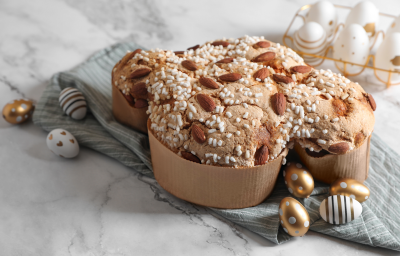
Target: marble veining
11	86
93	205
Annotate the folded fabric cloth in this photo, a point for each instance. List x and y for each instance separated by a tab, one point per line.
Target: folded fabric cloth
378	226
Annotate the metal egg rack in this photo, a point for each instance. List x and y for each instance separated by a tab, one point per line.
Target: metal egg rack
327	54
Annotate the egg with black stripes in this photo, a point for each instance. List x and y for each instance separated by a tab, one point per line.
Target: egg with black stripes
340	209
73	103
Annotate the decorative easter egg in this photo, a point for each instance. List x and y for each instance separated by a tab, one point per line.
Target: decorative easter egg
293	217
324	13
310	38
366	15
352	45
388	57
339	209
62	143
351	188
394	27
18	111
298	180
73	103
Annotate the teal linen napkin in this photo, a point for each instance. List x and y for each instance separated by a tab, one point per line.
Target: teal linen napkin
378	226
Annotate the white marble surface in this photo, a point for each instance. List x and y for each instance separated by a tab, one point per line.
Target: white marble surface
93	205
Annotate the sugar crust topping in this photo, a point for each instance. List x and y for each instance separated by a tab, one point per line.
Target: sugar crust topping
229	88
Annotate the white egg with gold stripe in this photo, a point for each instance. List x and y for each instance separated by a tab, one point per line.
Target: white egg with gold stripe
73	103
340	209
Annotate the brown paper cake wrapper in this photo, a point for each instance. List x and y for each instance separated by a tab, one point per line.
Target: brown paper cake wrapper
127	114
329	168
213	186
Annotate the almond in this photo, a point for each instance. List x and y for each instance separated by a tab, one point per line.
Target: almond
226	60
194	48
231	77
278	102
323	97
301	69
141	72
129	98
261	74
179	52
339	148
208	82
129	56
136	51
261	156
359	138
189	65
339	107
141	103
262	136
139	89
282	79
218	43
198	134
262	44
206	102
266	56
189	156
371	101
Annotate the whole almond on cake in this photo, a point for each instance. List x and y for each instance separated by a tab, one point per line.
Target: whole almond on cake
241	102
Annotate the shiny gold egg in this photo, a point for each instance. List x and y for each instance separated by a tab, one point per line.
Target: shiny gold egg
298	180
351	188
293	217
18	111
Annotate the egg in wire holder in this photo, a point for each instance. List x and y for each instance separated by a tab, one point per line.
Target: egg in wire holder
327	53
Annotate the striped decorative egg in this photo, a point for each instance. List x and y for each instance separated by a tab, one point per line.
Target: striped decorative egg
340	209
73	103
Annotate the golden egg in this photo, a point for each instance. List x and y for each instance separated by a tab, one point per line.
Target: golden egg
18	111
351	188
293	217
298	180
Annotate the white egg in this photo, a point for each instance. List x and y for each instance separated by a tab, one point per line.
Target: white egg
73	103
324	13
340	209
352	45
310	38
62	143
388	57
366	15
394	27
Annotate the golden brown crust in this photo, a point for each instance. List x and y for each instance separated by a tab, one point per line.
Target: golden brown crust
236	80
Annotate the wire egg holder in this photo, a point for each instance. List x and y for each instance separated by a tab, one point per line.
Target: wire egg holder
329	48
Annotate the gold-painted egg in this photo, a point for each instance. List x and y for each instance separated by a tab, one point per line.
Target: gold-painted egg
351	188
298	180
293	217
18	111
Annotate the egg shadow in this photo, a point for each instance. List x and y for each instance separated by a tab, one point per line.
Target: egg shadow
5	125
40	151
